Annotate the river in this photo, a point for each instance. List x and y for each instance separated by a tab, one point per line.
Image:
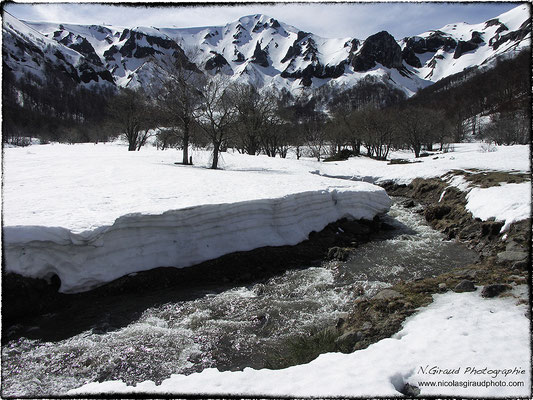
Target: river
231	328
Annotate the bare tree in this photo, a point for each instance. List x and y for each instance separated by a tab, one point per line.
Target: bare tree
378	127
128	113
178	96
256	117
313	126
419	126
218	114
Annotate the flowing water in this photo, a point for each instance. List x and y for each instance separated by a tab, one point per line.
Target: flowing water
235	328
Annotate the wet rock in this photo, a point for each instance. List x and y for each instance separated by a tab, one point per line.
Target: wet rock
408	204
494	290
347	341
514	246
387	294
521	265
366	326
259	289
437	211
469	274
410	390
469	232
338	253
491	228
330	331
465	286
512	256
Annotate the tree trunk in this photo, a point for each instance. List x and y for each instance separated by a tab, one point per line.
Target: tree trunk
185	145
216	150
416	149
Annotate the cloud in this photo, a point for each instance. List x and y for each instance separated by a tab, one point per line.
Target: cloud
324	19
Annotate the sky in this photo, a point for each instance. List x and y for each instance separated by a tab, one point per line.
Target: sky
326	19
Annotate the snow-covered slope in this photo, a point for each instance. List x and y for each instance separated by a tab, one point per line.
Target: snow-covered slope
25	49
455	47
262	50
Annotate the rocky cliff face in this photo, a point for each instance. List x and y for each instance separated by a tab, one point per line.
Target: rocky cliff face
379	48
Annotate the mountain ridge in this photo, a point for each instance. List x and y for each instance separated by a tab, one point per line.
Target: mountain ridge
260	49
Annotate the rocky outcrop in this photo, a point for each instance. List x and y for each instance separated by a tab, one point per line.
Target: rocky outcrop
379	48
517	35
472	44
87	74
435	41
217	63
465	286
81	45
316	70
494	290
239	57
409	56
260	56
132	48
296	49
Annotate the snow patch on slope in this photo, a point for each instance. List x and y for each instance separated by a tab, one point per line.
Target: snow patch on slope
508	202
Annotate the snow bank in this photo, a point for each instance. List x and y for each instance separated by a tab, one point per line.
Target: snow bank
509	202
455	332
67	207
96	213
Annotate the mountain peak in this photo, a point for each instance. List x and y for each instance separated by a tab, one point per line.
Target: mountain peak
262	47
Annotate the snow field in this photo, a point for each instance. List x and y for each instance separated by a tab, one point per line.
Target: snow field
509	202
98	212
456	331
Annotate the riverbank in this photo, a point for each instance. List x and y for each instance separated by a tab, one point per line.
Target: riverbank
504	262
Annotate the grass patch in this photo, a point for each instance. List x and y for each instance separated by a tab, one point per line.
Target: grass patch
303	349
486	179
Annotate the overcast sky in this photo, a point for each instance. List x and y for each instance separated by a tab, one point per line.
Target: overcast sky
329	20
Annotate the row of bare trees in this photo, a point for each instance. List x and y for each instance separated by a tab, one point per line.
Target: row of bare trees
252	121
372	116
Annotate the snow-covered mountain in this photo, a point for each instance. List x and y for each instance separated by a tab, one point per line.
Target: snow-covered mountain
260	49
